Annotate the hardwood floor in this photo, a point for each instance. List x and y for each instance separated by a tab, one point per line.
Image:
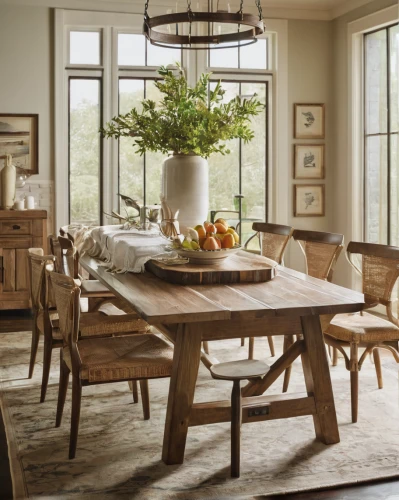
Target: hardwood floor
21	321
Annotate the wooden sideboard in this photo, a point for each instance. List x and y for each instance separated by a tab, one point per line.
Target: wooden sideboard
19	230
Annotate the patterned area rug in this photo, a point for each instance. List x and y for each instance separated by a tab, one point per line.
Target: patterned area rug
119	454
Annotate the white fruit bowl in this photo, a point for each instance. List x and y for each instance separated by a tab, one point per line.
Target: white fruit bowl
208	257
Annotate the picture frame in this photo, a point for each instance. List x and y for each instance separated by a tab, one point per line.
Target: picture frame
309	121
309	161
309	200
19	137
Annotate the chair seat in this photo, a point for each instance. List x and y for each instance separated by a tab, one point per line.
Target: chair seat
239	370
95	288
122	358
354	327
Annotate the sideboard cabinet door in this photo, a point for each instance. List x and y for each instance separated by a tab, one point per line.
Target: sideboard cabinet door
19	231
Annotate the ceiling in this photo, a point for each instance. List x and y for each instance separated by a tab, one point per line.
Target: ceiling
284	9
333	8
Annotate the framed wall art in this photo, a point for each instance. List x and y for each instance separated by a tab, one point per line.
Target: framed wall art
309	121
19	137
309	200
309	161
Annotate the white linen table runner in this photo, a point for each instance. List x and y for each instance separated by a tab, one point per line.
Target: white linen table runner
125	250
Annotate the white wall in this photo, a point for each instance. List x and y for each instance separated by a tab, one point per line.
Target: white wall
26	73
342	191
309	81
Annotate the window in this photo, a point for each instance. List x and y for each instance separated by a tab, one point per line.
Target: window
244	171
85	150
108	70
252	56
381	185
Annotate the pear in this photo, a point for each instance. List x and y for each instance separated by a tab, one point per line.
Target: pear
186	244
176	243
192	233
195	245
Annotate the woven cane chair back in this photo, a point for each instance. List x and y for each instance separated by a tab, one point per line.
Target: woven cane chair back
274	239
321	251
56	250
37	266
379	271
66	295
71	257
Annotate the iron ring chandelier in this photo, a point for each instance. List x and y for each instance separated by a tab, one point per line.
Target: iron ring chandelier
253	27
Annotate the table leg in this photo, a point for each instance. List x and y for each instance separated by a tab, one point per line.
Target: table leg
318	381
186	360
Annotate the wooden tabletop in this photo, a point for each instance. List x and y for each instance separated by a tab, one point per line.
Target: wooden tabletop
290	293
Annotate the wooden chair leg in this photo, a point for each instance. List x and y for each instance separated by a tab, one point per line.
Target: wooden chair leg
145	398
288	341
34	346
335	357
62	389
75	416
48	348
377	364
251	348
205	346
242	341
235	428
135	390
271	346
354	370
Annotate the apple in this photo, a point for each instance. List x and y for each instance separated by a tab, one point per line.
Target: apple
201	242
222	221
220	228
211	243
228	241
209	227
200	230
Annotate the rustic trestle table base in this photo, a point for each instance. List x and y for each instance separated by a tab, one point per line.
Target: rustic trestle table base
291	304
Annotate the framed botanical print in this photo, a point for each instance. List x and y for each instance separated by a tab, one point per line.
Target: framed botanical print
309	161
19	137
309	200
309	121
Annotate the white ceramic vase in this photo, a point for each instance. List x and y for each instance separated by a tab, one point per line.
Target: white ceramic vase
185	187
8	183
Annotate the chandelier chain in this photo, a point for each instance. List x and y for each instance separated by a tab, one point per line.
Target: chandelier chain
258	4
241	7
146	8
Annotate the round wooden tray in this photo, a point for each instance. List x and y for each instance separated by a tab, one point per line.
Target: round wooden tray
243	267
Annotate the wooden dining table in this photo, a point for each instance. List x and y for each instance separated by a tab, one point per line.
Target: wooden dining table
290	304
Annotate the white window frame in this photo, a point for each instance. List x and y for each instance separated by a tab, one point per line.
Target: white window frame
106	22
356	31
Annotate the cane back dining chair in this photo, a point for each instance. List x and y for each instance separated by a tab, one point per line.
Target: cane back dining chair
321	251
43	316
68	263
273	239
103	360
45	319
380	272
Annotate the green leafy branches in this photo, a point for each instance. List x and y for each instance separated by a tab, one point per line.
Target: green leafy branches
188	119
